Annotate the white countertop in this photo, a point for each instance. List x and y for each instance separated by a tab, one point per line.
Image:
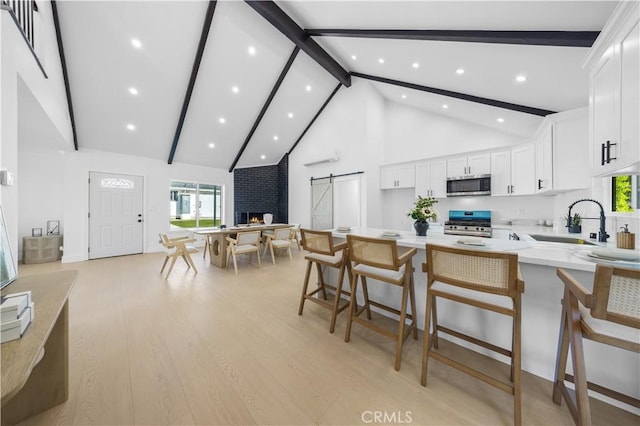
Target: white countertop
570	256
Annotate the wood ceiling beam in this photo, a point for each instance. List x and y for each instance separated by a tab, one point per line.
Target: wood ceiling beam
533	38
194	74
458	95
265	107
65	73
287	26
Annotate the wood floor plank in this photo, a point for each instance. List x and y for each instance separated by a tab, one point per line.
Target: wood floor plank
220	348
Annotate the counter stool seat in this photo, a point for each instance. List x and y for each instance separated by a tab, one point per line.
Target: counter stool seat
323	252
379	259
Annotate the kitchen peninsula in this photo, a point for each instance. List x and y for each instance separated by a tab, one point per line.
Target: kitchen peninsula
541	304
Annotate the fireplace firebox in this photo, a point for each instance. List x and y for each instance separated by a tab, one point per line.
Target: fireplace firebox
251	218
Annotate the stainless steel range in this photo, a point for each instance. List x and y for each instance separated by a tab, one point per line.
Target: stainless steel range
476	223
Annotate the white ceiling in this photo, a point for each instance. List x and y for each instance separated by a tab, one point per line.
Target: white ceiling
103	65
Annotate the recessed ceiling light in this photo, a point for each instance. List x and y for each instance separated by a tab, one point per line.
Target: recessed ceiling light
275	138
404	96
308	88
133	90
445	106
263	156
521	78
211	145
252	50
354	57
235	89
222	120
131	127
500	120
381	60
136	43
459	71
290	115
415	65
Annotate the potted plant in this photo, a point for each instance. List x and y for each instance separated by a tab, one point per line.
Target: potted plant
574	224
422	211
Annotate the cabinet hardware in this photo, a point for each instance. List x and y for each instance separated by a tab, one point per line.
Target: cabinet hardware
511	189
602	154
609	145
540	186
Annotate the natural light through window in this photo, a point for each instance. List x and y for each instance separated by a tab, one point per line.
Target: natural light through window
625	193
195	205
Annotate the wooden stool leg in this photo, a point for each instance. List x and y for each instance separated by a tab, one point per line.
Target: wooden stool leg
166	259
403	317
426	344
336	302
434	313
561	358
583	410
517	362
304	288
352	305
365	292
414	315
321	281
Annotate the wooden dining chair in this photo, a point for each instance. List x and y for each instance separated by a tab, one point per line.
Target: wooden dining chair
247	242
485	280
610	315
175	248
380	259
324	252
280	239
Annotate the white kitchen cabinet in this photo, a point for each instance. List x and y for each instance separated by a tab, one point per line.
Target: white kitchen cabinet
544	160
431	179
476	164
570	150
614	93
397	176
513	171
523	170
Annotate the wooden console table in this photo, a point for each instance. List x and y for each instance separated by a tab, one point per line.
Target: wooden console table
217	240
33	382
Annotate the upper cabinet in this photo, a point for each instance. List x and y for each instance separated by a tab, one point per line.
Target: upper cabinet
544	160
397	176
614	93
477	164
513	171
431	179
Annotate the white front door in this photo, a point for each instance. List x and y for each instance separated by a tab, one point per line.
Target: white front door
115	214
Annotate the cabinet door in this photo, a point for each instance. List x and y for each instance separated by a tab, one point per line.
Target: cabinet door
405	176
544	161
523	170
439	179
605	129
629	97
387	177
501	173
479	164
457	167
423	177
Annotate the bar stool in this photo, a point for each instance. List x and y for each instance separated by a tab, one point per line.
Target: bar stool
609	315
323	252
378	259
485	280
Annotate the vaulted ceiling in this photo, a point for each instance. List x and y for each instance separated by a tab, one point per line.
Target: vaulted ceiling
234	84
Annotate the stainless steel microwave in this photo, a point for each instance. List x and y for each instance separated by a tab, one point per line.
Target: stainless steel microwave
469	185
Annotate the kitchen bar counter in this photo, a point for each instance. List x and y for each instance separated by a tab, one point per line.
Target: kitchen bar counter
541	305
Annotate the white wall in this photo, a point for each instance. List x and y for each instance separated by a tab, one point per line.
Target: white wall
353	126
18	65
157	175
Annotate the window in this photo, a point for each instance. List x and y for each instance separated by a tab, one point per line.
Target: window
625	193
195	205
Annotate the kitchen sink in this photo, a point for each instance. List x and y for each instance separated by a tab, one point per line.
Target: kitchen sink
561	239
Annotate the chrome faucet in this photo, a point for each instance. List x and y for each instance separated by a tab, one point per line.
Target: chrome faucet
602	234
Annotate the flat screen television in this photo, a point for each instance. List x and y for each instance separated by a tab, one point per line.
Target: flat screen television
8	271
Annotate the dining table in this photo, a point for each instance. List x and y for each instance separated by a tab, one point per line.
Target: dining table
216	239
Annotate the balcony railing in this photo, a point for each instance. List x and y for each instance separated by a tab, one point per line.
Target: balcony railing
23	11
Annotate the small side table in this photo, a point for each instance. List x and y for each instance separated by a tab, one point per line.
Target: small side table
41	249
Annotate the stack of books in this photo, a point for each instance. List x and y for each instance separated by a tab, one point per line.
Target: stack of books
17	312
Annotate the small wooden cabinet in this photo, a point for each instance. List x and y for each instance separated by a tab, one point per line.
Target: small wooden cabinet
41	249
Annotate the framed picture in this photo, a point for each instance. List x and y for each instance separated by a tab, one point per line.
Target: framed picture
53	227
36	232
8	270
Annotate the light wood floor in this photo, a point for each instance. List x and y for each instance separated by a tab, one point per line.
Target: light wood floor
216	348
